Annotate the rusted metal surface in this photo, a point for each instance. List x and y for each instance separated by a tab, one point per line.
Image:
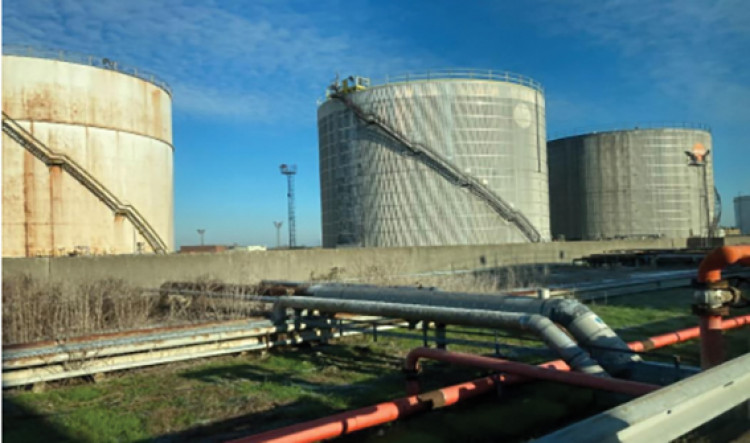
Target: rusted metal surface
118	127
45	361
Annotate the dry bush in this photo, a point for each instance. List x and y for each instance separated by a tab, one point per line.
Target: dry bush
208	299
35	311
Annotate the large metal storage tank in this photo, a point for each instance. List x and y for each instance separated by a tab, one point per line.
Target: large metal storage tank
487	126
742	213
632	183
87	157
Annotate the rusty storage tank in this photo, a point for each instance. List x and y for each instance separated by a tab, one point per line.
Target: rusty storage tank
442	158
742	213
87	157
636	183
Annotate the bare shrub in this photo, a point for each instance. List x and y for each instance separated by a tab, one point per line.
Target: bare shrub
34	310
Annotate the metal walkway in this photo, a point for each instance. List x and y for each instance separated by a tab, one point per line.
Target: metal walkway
446	169
50	157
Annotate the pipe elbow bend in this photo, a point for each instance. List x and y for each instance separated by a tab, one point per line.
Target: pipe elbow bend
710	268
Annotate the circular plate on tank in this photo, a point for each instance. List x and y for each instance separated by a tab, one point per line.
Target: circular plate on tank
522	115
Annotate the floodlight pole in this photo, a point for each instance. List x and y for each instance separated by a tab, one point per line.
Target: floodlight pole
290	171
278	224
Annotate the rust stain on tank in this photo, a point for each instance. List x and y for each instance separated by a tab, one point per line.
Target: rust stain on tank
28	199
55	201
156	113
39	105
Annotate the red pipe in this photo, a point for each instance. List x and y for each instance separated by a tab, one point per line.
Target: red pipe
710	268
351	421
530	371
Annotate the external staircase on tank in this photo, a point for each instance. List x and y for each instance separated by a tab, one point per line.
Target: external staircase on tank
441	166
23	137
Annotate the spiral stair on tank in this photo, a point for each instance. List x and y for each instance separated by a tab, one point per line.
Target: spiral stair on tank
445	169
24	138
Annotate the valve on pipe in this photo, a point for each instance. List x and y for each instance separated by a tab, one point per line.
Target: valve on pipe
714	296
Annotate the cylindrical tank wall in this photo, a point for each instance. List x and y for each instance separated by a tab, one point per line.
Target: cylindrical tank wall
634	183
742	213
374	195
116	126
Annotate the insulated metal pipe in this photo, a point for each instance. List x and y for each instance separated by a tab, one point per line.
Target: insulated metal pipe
584	325
541	326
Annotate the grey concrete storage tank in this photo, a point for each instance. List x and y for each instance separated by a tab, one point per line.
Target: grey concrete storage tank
87	157
632	183
742	213
473	168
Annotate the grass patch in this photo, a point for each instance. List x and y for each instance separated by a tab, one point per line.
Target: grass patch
252	393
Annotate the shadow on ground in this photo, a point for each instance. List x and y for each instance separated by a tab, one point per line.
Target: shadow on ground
16	425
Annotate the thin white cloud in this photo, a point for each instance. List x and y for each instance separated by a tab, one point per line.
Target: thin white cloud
248	63
692	51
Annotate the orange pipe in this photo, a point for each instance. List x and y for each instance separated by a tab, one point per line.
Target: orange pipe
351	421
660	341
710	268
355	420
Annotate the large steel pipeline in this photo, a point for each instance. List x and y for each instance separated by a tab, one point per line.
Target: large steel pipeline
543	327
591	333
355	420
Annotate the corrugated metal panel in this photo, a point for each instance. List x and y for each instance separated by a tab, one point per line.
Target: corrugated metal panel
374	194
636	183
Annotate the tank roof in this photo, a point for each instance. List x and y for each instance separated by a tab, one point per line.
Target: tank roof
583	132
83	59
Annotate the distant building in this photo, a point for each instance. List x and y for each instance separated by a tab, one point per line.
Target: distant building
202	248
731	231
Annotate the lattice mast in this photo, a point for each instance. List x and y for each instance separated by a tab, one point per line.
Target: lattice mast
290	171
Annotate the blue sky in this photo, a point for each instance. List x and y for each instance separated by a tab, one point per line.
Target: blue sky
246	76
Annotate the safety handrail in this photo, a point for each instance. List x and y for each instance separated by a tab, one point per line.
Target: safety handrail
447	170
462	74
83	59
50	157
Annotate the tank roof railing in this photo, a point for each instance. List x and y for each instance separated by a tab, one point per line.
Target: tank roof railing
462	74
82	59
597	129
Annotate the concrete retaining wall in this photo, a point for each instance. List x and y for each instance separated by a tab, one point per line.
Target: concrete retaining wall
248	267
